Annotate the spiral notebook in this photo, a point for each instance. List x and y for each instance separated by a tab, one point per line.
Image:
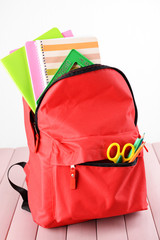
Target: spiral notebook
46	56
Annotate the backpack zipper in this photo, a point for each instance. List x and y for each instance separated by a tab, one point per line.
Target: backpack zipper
102	163
73	172
72	177
78	71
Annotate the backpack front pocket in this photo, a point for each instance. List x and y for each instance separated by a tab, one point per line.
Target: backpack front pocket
100	191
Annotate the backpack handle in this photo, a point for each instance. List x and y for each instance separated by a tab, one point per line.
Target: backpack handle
22	191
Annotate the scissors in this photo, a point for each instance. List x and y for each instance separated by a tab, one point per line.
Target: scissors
120	156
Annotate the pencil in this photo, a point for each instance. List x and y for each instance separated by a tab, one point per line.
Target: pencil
137	153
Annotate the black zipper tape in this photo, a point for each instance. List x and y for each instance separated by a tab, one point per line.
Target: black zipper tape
102	163
78	71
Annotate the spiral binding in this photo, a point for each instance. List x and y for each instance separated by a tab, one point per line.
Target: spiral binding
45	66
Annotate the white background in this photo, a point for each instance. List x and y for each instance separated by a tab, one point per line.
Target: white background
129	39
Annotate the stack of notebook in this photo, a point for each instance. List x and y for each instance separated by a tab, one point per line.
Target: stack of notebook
34	66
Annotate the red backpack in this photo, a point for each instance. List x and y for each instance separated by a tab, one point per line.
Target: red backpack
68	175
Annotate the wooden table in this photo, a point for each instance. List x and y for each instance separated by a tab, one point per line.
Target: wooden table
16	224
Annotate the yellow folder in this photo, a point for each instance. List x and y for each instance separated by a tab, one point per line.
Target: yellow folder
17	66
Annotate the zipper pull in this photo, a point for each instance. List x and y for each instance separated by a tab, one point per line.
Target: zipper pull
36	139
37	142
72	177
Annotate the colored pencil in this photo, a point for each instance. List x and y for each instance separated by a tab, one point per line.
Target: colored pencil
137	152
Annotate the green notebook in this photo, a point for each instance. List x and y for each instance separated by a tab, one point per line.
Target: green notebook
17	66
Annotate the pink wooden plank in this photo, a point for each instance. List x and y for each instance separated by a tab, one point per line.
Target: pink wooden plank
153	184
112	228
5	157
51	234
22	226
82	231
140	225
9	196
156	147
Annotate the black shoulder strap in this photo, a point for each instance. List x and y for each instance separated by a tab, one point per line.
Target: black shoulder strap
23	192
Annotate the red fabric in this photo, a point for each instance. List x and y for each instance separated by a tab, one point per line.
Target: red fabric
78	118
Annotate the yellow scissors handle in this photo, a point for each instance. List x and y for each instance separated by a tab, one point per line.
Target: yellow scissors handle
124	149
115	158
